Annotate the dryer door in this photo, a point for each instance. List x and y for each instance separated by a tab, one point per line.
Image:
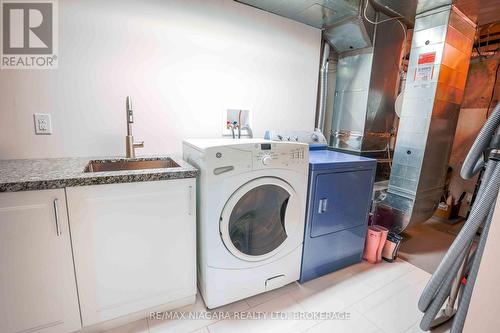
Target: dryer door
259	217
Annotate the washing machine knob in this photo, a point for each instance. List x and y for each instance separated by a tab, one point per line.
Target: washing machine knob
266	160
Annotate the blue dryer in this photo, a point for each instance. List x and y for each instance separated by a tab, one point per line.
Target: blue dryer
339	197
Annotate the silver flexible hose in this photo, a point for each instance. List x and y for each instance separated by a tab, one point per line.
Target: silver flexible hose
477	216
323	89
463	305
441	295
438	288
474	161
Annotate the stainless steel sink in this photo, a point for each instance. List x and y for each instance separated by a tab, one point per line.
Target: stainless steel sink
136	164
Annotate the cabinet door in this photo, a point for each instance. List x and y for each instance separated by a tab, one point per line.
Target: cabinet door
134	246
37	279
341	201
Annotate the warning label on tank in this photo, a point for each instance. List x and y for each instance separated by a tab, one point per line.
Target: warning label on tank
424	72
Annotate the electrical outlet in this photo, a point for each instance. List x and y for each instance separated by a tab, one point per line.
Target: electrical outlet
43	125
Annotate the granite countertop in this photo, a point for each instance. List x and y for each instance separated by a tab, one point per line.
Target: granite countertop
51	173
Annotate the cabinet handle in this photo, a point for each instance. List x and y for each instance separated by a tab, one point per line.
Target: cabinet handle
322	206
190	203
56	214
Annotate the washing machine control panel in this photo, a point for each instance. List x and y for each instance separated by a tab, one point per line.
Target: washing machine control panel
312	138
279	155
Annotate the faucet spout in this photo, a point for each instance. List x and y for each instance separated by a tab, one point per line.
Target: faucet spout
130	145
130	115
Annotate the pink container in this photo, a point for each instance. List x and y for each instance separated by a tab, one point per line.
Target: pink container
372	244
383	238
375	241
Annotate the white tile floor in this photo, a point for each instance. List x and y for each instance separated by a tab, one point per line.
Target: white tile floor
380	298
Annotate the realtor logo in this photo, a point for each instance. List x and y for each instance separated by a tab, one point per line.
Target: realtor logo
29	34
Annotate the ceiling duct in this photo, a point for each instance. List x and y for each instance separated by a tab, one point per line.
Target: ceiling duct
317	13
352	33
342	20
437	73
356	32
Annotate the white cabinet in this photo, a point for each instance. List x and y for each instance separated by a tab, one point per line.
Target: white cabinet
37	280
134	246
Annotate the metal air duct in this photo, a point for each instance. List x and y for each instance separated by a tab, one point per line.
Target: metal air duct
437	72
345	28
366	88
317	13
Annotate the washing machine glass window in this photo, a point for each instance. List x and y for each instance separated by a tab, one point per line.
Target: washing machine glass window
258	218
257	223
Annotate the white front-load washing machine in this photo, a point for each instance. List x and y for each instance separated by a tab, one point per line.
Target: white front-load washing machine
251	213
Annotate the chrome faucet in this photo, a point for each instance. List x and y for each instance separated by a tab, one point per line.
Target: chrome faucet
130	145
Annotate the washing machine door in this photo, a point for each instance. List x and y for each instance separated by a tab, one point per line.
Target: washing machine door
259	218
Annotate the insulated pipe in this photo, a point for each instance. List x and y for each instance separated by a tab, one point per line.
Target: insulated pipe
323	87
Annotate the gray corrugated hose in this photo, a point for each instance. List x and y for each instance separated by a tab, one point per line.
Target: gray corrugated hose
474	161
463	307
439	286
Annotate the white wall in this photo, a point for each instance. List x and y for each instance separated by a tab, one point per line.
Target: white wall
182	61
